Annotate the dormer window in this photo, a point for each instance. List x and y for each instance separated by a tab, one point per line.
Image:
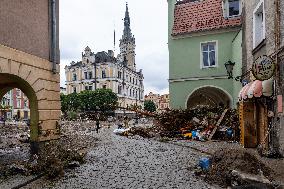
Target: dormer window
231	8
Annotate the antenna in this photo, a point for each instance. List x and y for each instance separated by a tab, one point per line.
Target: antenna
113	36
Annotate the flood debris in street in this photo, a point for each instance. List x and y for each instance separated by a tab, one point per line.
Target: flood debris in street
200	124
237	167
67	152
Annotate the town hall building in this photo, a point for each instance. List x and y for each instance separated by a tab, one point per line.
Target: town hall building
104	70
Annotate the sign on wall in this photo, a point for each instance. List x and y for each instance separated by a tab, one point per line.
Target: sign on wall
263	68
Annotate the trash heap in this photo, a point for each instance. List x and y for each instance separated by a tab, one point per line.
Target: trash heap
236	167
200	124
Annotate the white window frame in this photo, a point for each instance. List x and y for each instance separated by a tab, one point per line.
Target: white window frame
216	54
261	3
226	10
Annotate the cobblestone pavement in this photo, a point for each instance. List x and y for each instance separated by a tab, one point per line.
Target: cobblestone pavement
120	162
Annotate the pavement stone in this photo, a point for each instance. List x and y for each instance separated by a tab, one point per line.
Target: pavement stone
121	162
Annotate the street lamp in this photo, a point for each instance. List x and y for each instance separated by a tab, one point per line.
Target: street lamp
229	67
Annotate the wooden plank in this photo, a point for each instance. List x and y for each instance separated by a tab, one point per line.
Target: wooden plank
218	124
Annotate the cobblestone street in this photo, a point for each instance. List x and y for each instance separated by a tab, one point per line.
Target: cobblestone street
121	162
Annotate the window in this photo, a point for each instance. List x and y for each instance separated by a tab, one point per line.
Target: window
208	54
104	86
88	88
74	90
232	8
18	103
90	75
74	77
103	74
119	89
18	92
26	105
119	74
258	24
86	75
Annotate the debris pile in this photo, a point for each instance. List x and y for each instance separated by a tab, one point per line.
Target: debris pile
232	167
67	152
141	131
201	124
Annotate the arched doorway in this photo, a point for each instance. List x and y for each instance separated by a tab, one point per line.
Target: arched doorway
209	96
7	83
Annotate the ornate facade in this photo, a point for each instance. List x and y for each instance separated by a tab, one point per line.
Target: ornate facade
104	70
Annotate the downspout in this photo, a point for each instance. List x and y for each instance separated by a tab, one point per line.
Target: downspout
53	34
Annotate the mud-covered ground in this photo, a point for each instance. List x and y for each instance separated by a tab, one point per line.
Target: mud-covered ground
114	161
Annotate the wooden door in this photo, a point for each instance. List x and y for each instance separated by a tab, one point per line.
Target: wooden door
262	125
248	124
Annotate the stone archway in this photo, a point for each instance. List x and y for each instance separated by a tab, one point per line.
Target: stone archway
34	76
209	96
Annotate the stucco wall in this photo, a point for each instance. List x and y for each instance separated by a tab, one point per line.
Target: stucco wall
25	26
237	58
268	49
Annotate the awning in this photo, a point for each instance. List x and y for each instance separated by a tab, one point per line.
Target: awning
256	89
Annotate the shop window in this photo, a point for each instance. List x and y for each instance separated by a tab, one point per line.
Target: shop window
208	55
258	24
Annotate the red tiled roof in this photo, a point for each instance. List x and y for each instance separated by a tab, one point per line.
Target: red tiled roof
199	16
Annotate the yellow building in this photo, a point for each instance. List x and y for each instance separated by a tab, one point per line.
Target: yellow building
104	70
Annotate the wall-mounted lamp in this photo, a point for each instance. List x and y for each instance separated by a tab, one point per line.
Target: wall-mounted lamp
229	67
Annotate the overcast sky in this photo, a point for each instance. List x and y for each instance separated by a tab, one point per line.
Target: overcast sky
92	22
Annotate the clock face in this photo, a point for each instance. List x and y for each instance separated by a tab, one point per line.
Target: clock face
263	68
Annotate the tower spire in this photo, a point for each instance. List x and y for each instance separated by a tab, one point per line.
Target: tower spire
127	31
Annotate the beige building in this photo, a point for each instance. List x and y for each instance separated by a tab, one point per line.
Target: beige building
29	61
162	102
104	70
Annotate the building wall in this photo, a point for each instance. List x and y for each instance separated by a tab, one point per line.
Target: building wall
191	24
111	80
237	58
185	64
266	48
30	31
25	62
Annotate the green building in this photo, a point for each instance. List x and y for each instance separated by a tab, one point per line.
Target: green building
202	37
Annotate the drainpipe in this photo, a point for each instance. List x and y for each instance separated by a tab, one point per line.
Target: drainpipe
278	83
53	34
